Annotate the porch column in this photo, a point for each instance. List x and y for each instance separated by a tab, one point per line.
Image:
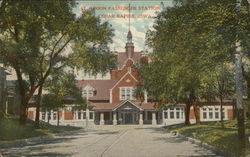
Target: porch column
141	118
114	118
87	115
153	118
101	118
146	115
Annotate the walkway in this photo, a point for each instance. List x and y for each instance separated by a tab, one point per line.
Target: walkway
111	141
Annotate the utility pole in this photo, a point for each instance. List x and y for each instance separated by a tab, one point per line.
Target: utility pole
239	84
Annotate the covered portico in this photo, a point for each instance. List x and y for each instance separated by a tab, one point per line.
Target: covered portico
127	113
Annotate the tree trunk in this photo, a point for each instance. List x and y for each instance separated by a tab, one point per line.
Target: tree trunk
241	128
197	113
58	118
187	113
22	112
239	96
38	104
221	112
22	118
239	84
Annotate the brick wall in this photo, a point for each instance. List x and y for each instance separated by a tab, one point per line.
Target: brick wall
118	74
31	115
122	83
68	115
230	114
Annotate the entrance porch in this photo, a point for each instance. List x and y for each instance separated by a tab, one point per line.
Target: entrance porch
128	114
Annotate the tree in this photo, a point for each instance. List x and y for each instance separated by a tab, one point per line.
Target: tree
219	83
188	41
60	86
40	33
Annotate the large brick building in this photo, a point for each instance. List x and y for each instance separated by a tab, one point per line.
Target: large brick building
113	101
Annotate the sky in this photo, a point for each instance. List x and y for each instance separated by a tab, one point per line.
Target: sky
116	13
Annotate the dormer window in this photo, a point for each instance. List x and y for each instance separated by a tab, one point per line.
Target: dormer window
88	91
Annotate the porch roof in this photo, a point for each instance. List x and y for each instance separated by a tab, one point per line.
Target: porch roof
101	106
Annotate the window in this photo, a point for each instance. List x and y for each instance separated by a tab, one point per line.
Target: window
48	113
216	113
84	115
166	115
172	115
123	91
177	113
204	115
54	115
88	93
127	93
223	114
210	115
43	115
79	115
91	115
182	113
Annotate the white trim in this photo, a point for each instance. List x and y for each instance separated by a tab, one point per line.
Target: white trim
124	103
110	96
88	87
123	78
131	93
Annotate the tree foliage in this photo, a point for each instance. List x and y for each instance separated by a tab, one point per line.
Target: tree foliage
37	39
62	90
189	40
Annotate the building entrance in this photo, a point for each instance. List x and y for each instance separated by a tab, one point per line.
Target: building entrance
128	114
128	118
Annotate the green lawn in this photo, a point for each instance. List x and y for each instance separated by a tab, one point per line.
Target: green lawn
10	130
223	138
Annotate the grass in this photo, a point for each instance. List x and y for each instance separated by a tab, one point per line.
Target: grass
10	130
225	139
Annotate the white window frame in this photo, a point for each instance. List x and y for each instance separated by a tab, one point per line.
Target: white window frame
128	93
205	110
173	111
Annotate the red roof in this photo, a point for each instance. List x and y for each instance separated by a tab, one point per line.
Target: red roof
103	106
122	57
102	88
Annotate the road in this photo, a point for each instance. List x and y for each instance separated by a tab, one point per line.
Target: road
111	141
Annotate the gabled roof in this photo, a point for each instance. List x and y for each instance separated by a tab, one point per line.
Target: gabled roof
104	106
102	88
128	73
127	101
122	58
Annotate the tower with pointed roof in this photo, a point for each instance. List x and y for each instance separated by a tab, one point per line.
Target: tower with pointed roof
129	45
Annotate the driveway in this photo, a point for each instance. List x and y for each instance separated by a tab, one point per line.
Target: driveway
111	141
